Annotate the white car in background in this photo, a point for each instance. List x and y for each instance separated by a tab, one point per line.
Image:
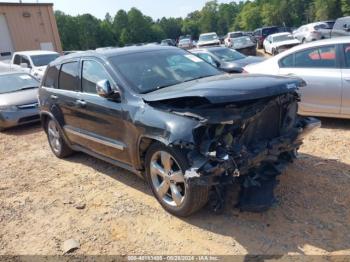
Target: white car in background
312	32
324	66
31	62
208	39
231	36
277	43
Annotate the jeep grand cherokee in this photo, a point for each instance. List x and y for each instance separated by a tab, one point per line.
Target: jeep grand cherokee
165	114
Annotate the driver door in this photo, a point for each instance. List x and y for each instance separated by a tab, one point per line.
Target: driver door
101	123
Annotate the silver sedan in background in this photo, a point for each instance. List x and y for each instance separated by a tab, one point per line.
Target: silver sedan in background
312	32
18	99
324	66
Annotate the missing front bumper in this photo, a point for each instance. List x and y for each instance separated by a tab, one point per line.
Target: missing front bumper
255	170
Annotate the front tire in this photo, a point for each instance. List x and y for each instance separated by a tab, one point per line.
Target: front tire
165	169
57	144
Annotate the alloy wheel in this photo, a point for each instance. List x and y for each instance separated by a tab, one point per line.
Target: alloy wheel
167	179
54	137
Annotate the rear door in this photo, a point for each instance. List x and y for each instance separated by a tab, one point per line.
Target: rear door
101	123
345	108
61	88
319	67
63	99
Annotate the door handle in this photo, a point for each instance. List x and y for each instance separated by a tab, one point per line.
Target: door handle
54	97
80	103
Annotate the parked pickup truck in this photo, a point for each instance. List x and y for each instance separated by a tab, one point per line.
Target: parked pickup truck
32	62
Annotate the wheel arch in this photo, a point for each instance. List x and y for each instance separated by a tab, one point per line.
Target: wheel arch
143	144
45	117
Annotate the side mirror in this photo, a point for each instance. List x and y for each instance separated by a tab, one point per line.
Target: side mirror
24	65
104	89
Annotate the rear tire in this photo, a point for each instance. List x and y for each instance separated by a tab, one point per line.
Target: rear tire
172	163
56	141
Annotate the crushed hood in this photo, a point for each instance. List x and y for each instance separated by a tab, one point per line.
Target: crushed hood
227	88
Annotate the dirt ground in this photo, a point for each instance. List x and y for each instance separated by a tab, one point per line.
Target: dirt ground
39	195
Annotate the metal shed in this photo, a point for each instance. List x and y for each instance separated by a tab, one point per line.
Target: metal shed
27	26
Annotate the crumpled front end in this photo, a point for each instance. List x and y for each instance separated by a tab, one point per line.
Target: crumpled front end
248	143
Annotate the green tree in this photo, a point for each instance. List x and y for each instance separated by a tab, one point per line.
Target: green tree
119	23
171	27
209	17
345	7
249	18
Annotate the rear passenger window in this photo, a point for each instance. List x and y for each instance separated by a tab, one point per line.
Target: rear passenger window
321	57
288	61
51	77
93	72
68	79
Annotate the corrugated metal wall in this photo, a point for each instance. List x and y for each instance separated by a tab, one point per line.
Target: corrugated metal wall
31	26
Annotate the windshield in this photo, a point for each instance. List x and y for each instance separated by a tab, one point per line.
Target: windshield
185	41
15	82
227	55
242	41
281	38
149	71
321	26
269	31
43	60
234	35
208	37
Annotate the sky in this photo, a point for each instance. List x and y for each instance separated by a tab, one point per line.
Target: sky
154	8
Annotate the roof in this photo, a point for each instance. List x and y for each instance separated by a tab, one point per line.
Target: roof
208	48
316	23
212	33
24	4
330	41
115	51
279	34
36	52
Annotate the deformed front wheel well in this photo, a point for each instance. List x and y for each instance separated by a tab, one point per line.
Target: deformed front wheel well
144	144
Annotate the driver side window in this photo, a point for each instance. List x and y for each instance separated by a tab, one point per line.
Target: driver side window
92	73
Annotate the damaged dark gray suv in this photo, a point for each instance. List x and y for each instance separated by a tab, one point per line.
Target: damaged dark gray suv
163	113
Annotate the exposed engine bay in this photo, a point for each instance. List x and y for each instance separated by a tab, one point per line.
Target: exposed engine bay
249	143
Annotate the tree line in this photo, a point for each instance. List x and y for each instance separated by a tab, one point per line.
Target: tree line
84	32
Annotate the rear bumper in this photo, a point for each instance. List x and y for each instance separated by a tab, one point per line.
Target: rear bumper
19	117
249	51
